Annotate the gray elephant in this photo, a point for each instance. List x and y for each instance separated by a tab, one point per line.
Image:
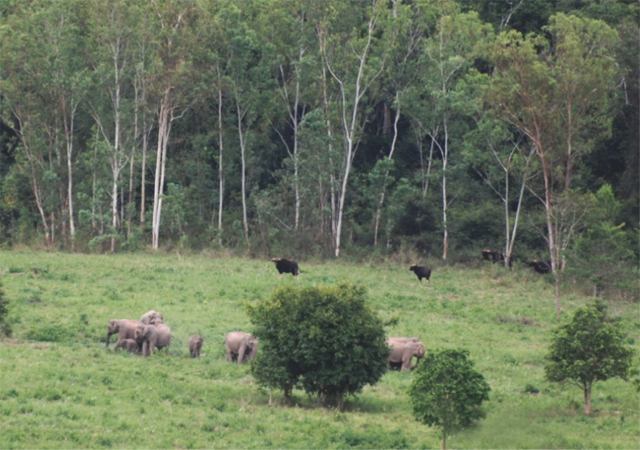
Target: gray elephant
152	336
240	346
124	327
129	345
152	317
402	351
195	344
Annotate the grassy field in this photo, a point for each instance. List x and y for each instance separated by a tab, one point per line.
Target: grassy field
61	388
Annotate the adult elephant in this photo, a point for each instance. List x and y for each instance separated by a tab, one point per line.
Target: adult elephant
125	329
152	317
402	351
240	346
152	336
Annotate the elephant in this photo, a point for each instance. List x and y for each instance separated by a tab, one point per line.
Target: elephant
195	344
152	317
124	327
128	344
152	336
402	352
240	346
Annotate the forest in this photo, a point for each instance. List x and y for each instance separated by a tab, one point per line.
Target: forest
294	128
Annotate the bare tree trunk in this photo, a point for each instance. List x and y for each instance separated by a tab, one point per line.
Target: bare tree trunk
386	174
164	127
220	154
69	132
445	203
243	177
587	399
349	119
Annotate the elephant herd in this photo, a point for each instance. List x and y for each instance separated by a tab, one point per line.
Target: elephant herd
140	336
144	335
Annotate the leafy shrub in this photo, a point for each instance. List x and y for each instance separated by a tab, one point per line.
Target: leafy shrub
375	439
5	325
51	333
323	338
531	389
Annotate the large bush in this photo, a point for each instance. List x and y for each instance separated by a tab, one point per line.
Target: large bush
323	339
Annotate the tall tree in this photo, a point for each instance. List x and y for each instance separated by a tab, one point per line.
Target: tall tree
454	41
501	156
404	32
287	31
559	98
43	87
171	81
349	43
112	63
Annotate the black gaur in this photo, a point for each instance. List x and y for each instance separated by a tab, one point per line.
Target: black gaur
421	272
286	266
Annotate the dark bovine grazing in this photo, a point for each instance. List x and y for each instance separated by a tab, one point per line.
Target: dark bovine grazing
494	257
540	266
286	266
421	272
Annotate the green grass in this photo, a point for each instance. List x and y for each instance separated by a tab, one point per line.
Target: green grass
61	388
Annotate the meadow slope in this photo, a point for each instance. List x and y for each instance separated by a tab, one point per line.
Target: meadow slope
61	388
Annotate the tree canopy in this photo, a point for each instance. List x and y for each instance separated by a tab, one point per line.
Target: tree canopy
314	126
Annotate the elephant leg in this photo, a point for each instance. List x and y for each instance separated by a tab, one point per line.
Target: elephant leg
241	354
406	362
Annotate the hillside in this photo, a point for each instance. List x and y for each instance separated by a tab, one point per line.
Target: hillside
61	388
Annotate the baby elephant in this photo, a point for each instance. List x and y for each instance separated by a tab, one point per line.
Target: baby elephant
195	344
129	345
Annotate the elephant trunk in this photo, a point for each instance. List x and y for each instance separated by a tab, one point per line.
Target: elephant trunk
108	338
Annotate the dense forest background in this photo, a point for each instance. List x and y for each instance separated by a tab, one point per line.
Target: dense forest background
425	128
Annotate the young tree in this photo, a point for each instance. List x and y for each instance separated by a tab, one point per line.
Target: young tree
586	350
323	337
447	392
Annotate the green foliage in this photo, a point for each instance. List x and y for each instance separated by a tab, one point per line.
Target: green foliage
588	349
447	392
77	393
603	254
323	337
50	333
5	325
